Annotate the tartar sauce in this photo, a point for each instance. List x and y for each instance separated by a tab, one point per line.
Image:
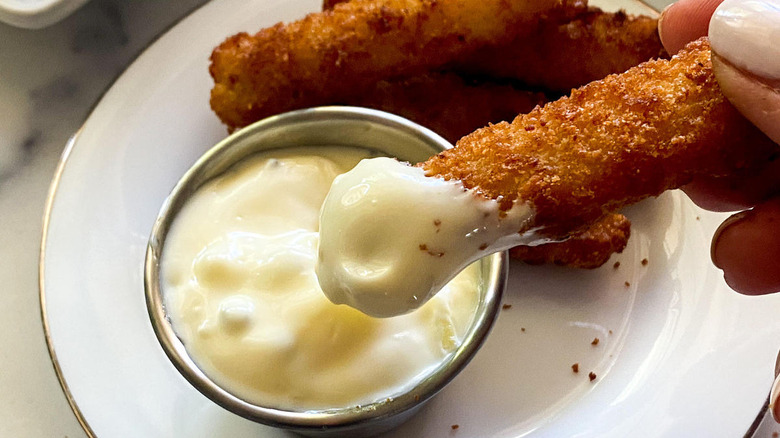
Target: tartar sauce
241	291
391	237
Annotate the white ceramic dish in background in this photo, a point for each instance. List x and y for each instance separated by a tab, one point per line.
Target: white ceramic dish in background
685	356
34	14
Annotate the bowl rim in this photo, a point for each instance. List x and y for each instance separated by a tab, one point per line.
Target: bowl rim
494	274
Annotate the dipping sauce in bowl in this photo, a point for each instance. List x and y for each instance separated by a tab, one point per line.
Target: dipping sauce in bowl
240	289
235	302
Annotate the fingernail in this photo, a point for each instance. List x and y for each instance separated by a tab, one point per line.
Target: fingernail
746	33
744	37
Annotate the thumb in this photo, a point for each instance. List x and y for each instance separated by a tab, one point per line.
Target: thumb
685	21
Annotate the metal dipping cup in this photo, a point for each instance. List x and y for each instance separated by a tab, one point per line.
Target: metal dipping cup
384	133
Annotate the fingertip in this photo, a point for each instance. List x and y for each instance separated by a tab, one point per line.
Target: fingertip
685	21
717	194
747	248
738	191
662	34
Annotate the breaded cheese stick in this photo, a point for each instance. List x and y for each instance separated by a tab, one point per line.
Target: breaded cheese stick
338	53
570	54
587	250
442	102
611	143
453	107
407	231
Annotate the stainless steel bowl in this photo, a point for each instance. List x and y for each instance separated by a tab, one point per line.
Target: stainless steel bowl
384	133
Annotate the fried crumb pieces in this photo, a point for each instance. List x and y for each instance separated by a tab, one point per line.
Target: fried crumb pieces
774	434
483	247
424	247
592	376
506	306
610	332
575	367
455	426
644	262
595	341
616	265
627	284
522	329
698	219
416	397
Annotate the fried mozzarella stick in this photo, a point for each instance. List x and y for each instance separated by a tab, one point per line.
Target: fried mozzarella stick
447	104
611	143
453	107
406	231
339	53
587	250
570	54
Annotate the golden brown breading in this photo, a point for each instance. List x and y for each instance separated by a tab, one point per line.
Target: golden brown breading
587	250
448	104
334	54
568	54
612	143
571	54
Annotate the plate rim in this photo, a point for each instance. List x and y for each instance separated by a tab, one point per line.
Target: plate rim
51	194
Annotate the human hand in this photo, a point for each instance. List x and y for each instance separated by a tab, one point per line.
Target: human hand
745	40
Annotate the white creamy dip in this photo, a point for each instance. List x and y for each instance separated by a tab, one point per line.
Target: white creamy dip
391	237
240	289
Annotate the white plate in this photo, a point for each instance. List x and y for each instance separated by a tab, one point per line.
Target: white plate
679	354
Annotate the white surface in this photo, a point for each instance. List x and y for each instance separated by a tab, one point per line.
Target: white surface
686	356
34	14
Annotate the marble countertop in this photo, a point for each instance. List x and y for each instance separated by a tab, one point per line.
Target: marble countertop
49	81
